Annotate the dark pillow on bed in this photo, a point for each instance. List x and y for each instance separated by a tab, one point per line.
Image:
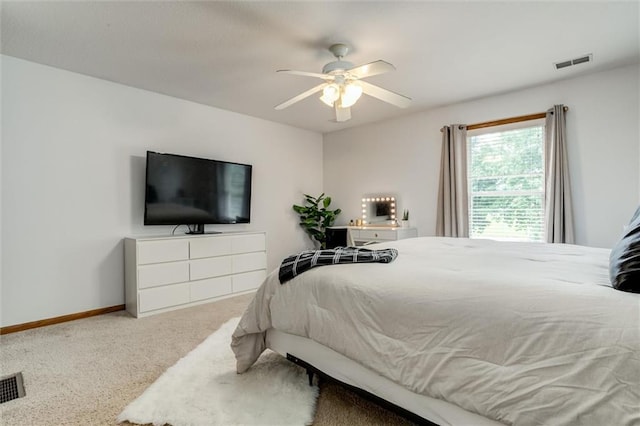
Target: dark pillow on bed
624	262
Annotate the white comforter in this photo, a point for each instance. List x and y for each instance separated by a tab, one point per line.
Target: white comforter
522	333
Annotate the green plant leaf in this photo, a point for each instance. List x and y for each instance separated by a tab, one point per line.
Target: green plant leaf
315	216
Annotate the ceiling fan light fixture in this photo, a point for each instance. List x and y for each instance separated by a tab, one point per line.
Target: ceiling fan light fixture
330	94
350	94
343	84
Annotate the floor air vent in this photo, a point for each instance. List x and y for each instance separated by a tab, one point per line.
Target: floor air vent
11	387
581	60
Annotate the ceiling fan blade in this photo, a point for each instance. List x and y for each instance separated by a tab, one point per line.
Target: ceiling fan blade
342	114
308	74
372	68
301	96
385	95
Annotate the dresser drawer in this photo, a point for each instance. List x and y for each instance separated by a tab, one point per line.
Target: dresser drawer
213	287
248	280
209	268
162	273
173	272
248	243
162	251
377	235
210	246
163	297
249	262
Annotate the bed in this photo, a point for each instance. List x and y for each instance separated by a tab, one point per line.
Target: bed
460	331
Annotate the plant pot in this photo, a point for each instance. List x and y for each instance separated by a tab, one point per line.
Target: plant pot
404	223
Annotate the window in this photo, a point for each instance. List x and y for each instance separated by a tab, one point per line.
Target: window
506	182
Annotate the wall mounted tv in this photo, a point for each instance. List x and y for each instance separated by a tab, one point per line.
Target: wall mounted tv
193	191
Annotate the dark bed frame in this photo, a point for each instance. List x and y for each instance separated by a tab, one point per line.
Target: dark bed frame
311	370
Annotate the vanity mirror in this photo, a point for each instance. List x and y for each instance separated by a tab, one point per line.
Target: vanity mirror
379	211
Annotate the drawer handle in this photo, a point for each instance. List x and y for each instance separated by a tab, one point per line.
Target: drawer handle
376	235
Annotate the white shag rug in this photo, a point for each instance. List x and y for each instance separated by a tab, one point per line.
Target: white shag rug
203	388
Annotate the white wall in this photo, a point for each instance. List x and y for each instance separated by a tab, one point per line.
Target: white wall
73	160
402	156
1	173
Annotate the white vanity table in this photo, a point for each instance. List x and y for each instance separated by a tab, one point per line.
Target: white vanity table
379	224
363	235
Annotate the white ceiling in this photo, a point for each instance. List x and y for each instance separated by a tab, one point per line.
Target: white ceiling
225	53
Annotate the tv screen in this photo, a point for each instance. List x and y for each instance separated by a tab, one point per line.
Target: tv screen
196	191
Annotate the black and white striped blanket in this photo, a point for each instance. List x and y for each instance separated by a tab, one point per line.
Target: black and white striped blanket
303	261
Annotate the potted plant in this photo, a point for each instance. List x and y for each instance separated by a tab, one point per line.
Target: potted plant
405	219
316	217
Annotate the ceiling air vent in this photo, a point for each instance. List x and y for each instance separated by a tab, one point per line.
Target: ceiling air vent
576	61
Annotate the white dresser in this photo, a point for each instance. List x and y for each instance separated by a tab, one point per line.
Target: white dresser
167	273
362	235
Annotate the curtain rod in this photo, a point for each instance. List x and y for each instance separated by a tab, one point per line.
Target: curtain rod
510	120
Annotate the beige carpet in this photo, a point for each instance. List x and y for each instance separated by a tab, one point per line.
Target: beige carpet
85	372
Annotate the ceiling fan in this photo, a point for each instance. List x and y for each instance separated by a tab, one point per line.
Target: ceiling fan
343	84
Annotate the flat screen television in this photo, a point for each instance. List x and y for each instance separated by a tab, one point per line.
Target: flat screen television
193	191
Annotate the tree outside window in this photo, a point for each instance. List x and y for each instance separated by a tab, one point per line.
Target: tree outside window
506	184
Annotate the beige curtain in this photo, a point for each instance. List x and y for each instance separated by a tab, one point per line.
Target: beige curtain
558	214
453	208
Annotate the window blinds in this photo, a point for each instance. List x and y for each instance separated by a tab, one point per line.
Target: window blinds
506	183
